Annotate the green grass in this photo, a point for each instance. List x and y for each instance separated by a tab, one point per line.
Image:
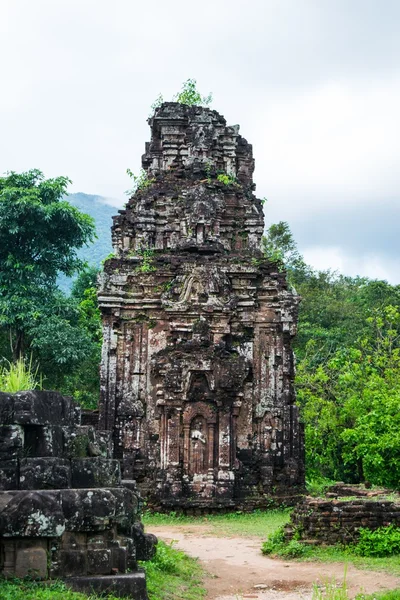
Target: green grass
34	590
258	523
389	564
172	575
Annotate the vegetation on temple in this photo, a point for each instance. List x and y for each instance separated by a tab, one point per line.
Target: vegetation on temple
188	95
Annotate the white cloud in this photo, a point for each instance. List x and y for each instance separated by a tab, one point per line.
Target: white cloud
365	265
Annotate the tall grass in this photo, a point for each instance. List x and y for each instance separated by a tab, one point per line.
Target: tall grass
334	591
331	590
19	376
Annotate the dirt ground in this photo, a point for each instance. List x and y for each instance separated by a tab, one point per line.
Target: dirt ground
238	570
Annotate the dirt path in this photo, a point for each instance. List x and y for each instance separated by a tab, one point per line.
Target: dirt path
238	569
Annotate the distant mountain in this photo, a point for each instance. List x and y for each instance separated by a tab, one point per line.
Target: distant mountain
102	212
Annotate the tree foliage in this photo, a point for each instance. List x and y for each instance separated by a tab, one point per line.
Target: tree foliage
348	368
40	233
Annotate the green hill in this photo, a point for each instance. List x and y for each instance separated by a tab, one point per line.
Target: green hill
102	212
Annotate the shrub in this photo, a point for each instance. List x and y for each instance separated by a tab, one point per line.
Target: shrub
226	179
274	541
140	182
190	95
384	541
19	376
276	544
317	485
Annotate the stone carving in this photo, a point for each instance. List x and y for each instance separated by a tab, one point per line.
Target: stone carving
198	459
64	511
197	368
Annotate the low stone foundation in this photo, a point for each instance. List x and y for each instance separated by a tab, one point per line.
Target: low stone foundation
64	511
338	520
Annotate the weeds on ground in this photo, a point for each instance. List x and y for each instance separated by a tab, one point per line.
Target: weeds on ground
331	590
172	575
334	591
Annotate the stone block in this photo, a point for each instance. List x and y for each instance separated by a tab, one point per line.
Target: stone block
86	441
43	408
73	562
6	408
88	509
9	474
31	562
34	514
130	585
104	442
44	473
43	440
145	543
95	472
119	559
11	441
99	561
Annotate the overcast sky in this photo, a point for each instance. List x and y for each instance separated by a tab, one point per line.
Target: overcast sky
314	85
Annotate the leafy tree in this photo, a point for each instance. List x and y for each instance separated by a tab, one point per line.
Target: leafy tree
83	381
350	406
40	233
87	278
348	368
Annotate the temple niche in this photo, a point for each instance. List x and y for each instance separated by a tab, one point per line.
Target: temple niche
197	366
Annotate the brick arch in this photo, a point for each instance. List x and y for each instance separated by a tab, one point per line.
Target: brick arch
191	375
199	408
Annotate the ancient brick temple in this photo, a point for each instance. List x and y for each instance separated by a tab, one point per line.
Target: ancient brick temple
197	367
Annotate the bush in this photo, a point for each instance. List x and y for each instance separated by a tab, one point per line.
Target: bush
276	544
274	541
384	541
317	485
19	376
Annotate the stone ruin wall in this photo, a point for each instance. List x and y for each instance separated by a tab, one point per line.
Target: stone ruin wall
338	520
197	366
64	511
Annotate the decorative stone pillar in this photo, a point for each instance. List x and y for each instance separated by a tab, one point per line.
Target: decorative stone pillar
211	442
186	447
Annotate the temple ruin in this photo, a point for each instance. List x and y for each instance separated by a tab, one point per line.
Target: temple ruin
197	367
64	511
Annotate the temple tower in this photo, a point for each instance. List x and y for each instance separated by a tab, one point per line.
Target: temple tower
197	366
